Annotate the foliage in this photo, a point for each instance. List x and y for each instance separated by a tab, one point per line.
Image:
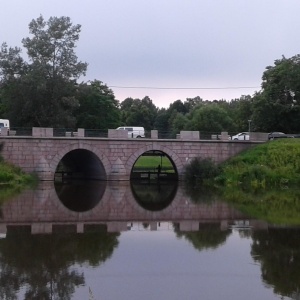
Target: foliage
199	170
209	118
41	93
161	123
98	108
179	122
10	173
12	179
136	112
270	164
277	106
240	111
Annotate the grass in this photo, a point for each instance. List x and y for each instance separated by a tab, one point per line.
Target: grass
151	163
13	180
264	181
272	164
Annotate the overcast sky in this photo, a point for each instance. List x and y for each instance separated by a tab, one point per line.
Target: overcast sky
171	49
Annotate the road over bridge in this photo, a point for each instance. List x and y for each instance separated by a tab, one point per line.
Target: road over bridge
108	158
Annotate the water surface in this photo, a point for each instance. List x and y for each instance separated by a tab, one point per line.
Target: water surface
141	241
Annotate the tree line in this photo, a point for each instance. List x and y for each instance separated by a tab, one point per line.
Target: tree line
44	91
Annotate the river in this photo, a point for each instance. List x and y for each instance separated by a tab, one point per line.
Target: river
121	240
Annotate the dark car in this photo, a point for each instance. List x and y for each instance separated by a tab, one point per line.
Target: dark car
278	135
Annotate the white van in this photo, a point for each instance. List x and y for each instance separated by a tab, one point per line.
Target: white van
133	131
4	123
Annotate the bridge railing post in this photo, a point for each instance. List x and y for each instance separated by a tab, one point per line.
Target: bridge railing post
189	135
224	136
154	134
42	131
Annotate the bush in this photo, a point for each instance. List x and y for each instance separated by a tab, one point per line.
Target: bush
199	170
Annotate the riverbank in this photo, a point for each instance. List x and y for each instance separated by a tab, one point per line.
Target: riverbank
272	164
13	180
264	182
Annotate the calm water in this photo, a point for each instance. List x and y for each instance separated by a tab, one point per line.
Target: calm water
115	241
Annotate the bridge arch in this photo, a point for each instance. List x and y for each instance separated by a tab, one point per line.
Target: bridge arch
93	163
176	161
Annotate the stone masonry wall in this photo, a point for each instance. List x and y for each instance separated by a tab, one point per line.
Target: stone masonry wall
42	154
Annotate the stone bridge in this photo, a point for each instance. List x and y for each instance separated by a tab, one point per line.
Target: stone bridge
109	158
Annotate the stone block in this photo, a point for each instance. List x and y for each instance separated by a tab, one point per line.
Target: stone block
42	132
80	132
154	134
189	135
224	136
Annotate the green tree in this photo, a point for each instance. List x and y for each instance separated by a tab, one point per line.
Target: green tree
136	112
240	110
191	103
179	123
42	92
209	118
98	108
277	106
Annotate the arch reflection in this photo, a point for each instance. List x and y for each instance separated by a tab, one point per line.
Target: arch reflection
154	196
80	195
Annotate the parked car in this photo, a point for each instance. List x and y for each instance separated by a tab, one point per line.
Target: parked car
279	135
242	136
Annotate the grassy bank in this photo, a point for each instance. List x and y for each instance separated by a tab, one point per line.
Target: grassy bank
264	182
13	180
272	164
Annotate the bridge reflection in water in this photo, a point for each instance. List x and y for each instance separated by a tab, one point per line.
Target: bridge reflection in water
113	204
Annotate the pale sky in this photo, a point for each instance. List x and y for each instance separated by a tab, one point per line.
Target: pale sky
170	49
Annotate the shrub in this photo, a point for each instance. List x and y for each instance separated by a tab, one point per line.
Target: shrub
199	170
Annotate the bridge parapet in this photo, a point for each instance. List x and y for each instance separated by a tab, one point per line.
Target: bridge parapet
118	134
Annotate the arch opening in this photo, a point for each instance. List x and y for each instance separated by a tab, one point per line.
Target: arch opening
80	164
154	165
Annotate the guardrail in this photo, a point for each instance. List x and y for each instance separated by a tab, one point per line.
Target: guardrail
104	133
100	133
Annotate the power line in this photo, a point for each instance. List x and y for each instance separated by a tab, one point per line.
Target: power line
183	88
